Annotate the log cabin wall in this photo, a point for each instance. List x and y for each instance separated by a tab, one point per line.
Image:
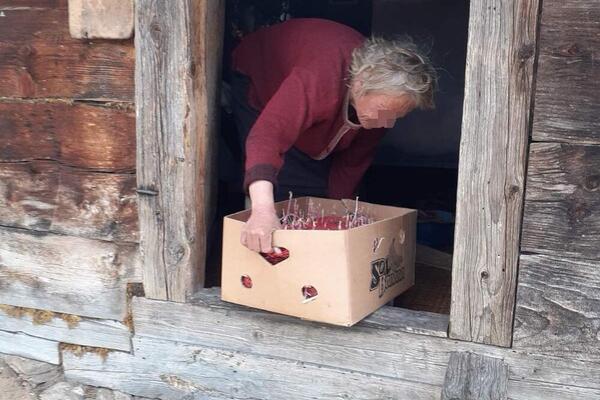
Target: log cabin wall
68	208
558	295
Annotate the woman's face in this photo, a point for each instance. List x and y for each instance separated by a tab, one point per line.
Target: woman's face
381	110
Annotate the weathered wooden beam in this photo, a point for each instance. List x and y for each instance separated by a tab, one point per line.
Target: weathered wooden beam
176	99
562	202
68	328
499	72
78	135
46	196
33	4
39	58
558	307
179	354
568	77
171	370
102	19
36	348
66	274
470	376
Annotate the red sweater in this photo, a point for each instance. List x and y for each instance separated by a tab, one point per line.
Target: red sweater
298	80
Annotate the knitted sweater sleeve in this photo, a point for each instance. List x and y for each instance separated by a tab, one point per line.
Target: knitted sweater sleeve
288	113
349	165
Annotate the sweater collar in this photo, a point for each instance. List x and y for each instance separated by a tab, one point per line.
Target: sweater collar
346	106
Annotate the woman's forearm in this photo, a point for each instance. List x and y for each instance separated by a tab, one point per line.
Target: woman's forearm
261	195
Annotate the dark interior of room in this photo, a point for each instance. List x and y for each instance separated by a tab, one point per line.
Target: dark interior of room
419	155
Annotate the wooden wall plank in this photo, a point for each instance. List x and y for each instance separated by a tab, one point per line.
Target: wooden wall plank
66	274
170	361
193	324
499	71
174	89
79	135
19	344
84	331
471	376
389	350
568	77
48	197
25	4
106	19
178	369
38	58
562	202
558	307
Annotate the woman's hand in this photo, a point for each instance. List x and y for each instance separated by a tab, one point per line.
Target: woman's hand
257	233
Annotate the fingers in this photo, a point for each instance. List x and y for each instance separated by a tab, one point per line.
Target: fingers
265	243
253	242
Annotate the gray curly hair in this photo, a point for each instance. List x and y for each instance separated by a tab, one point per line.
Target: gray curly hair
394	65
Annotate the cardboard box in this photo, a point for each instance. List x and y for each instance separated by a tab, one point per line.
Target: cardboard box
353	272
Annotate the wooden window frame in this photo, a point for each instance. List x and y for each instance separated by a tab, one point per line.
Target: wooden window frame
178	51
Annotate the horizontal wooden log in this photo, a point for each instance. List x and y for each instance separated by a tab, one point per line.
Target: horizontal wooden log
558	307
74	329
104	19
174	369
66	274
38	58
32	4
364	347
19	344
48	197
79	135
471	376
568	77
528	390
562	201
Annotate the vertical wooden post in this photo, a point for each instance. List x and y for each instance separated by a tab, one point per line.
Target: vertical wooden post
496	115
178	54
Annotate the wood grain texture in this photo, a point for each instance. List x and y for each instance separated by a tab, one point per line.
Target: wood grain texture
307	342
103	19
176	105
188	356
78	135
32	4
36	348
66	274
38	58
491	176
471	376
171	370
562	201
568	76
558	307
48	197
85	332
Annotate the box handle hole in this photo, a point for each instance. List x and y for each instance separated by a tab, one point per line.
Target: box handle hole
278	255
309	293
246	281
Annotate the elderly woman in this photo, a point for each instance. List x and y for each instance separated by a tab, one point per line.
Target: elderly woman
312	99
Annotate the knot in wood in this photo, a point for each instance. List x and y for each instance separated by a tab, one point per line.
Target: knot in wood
569	50
485	274
592	183
526	52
